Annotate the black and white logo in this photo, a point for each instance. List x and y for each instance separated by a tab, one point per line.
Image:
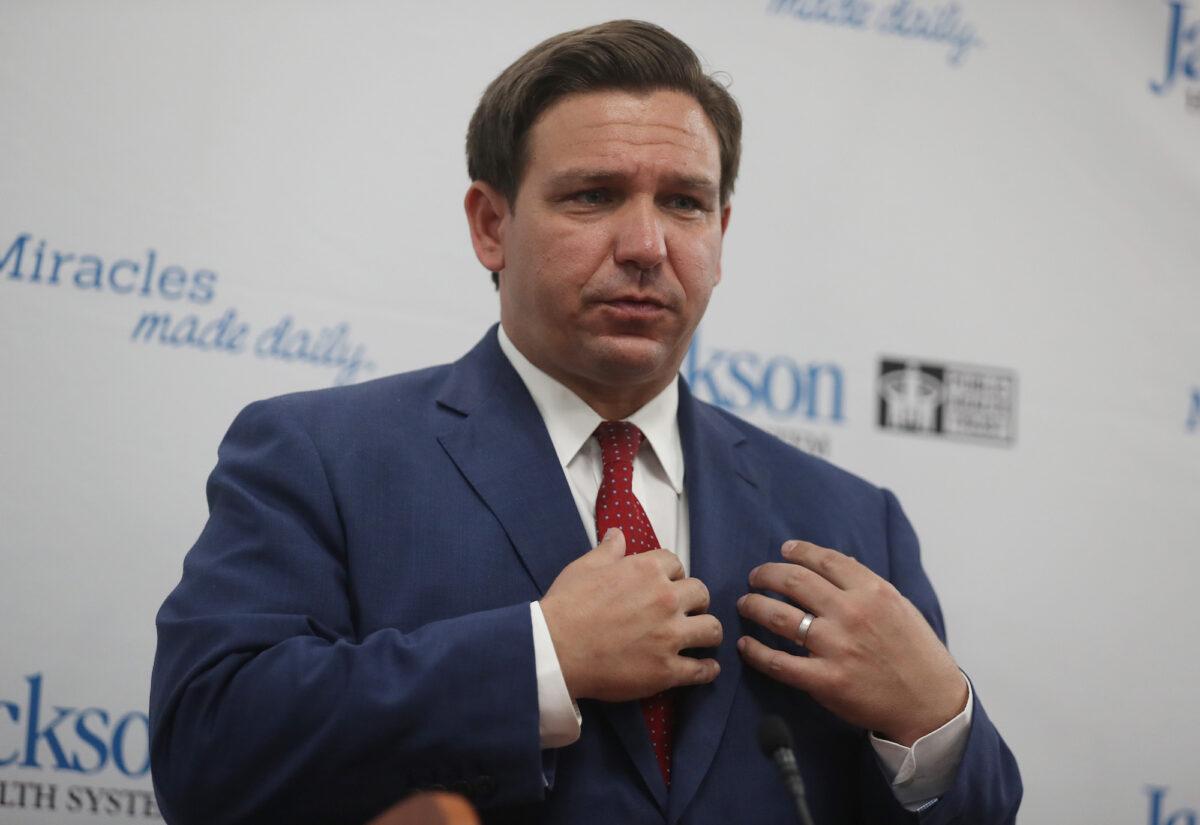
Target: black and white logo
951	400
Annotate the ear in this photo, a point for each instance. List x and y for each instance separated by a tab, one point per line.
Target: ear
487	216
725	213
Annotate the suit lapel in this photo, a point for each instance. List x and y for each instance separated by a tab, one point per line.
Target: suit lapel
725	506
502	448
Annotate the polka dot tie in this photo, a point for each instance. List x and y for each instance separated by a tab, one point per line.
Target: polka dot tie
616	506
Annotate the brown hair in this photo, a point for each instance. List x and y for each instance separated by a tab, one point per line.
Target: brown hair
621	54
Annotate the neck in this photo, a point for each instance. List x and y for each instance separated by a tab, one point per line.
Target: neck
615	405
612	402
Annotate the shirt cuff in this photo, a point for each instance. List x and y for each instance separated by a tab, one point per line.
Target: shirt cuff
922	773
559	720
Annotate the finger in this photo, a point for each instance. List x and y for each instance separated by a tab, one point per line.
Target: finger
801	585
667	561
700	631
796	671
612	546
688	671
693	595
781	619
836	567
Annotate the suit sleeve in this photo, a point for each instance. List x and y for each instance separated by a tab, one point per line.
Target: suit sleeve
265	704
987	786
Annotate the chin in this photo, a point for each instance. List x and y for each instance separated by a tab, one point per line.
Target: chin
631	359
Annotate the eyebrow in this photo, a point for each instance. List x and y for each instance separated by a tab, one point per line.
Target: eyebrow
588	176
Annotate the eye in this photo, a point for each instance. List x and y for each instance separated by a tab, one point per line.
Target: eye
686	203
592	197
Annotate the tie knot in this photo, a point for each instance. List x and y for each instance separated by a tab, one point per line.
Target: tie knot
619	441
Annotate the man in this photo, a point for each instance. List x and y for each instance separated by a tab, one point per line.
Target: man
395	588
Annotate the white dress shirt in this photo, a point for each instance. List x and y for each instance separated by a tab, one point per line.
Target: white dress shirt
918	774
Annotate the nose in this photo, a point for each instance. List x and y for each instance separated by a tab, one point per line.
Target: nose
640	240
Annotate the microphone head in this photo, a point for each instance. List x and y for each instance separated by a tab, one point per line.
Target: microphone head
773	735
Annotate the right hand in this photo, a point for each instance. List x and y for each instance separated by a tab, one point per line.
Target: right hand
619	622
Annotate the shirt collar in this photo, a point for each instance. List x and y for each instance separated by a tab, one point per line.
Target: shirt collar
571	422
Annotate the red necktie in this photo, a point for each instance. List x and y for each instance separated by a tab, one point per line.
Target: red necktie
616	506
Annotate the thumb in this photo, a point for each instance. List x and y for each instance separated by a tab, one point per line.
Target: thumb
612	546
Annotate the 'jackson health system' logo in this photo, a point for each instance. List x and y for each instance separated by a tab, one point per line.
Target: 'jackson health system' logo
775	391
1182	56
42	740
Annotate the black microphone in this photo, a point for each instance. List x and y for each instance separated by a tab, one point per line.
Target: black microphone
776	742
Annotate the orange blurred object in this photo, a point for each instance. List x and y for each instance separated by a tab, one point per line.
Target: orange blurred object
429	809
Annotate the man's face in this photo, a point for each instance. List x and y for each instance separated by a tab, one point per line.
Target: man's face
614	245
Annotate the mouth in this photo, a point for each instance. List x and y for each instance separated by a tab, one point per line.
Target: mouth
634	300
634	307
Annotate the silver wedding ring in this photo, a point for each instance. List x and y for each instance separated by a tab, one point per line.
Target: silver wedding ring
805	626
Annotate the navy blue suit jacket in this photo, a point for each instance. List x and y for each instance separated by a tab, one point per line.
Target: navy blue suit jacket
353	622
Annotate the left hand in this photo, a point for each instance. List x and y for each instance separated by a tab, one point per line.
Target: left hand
874	661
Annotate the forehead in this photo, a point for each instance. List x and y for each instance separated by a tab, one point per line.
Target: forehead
625	131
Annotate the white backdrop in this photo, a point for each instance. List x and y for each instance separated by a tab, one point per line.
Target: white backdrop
1005	195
